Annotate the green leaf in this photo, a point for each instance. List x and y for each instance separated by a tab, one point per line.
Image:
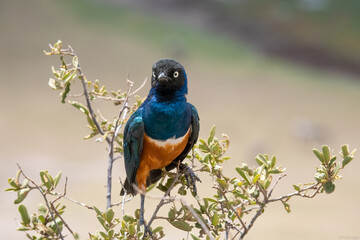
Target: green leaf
194	237
286	206
65	92
346	160
137	213
182	191
273	161
215	219
318	154
109	215
46	179
98	212
57	179
212	134
326	152
181	225
148	189
132	229
157	229
14	183
262	160
80	106
103	234
329	187
345	150
243	175
297	187
54	84
171	214
21	195
24	214
128	218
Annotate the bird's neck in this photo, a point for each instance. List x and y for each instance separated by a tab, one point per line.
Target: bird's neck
169	96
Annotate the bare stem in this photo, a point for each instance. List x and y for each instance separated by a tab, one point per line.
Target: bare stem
87	97
123	113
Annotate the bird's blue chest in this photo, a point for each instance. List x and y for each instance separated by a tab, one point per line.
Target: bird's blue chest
166	119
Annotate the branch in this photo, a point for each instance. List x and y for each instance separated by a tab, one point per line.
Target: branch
86	94
168	198
45	199
122	113
316	186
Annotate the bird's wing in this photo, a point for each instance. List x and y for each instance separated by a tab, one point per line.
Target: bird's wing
133	145
156	174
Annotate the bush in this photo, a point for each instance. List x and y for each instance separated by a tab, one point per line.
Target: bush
230	210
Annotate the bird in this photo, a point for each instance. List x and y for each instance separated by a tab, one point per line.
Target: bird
160	133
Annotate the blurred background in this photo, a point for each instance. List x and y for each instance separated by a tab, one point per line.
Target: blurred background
279	77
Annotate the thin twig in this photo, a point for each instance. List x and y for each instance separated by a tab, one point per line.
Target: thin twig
139	88
258	213
45	199
63	221
233	210
86	94
316	186
72	200
122	112
168	199
161	203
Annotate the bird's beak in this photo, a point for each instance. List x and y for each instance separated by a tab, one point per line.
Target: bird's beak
163	78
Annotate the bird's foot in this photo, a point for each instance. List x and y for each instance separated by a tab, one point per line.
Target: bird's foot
147	230
190	177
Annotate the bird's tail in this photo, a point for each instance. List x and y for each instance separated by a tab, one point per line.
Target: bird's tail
128	188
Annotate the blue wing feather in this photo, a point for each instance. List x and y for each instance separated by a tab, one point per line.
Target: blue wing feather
133	144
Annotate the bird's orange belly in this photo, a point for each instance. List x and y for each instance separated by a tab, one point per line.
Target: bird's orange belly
158	154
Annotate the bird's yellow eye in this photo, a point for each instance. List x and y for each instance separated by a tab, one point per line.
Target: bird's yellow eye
176	74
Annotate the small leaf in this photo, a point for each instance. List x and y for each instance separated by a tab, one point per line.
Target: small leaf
182	225
329	187
98	212
157	229
109	215
318	154
273	161
75	61
57	179
326	152
346	160
132	229
194	237
46	179
80	106
345	150
22	195
65	92
24	214
215	219
286	206
128	218
148	189
14	183
212	134
243	174
171	214
297	187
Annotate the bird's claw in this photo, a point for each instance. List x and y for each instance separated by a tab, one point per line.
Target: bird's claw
190	177
146	228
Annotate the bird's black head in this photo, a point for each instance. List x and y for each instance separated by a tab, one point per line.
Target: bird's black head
168	77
